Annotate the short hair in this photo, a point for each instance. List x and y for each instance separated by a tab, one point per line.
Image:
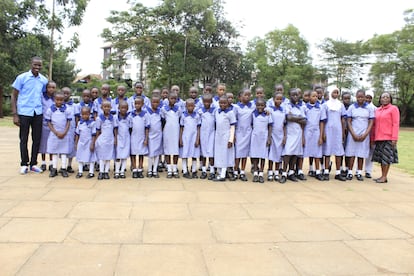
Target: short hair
138	98
86	108
189	101
123	103
360	91
138	83
35	58
260	100
207	96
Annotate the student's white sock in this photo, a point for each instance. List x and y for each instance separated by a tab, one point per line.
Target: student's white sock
269	172
260	173
123	165
91	167
117	166
300	172
255	173
175	167
311	168
349	171
337	172
194	166
242	172
291	172
101	166
54	161
358	172
107	164
326	171
223	172
318	171
64	161
211	169
155	164
43	162
169	168
284	173
204	169
80	167
150	163
276	172
184	163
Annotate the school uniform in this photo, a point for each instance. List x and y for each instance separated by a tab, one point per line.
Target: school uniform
294	132
78	109
223	156
261	122
215	102
190	123
314	114
243	113
58	117
271	102
115	105
104	145
333	130
139	122
171	131
123	145
155	147
360	119
97	105
85	130
131	102
47	102
207	130
279	120
71	107
180	103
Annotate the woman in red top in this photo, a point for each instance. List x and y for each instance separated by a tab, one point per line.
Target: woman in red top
387	123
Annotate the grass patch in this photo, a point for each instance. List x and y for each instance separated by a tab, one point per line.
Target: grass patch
6	121
405	148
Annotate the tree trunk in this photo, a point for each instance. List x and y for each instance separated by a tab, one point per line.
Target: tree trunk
1	101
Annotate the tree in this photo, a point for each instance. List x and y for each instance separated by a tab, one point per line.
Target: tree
281	57
342	61
394	69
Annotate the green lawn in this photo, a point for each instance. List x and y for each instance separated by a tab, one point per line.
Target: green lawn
405	150
405	146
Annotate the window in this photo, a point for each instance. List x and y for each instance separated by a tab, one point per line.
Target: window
128	56
127	66
137	75
138	65
127	76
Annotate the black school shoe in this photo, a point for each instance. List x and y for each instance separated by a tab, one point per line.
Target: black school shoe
187	175
219	179
69	169
301	176
340	177
79	175
282	179
100	176
134	174
106	176
326	176
261	179
203	175
319	177
194	175
243	177
359	177
90	175
293	178
368	175
64	173
140	174
43	167
212	176
255	178
53	173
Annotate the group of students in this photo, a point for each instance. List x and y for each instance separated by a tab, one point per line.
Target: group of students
210	128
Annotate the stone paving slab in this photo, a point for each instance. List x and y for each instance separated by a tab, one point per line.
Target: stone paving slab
197	227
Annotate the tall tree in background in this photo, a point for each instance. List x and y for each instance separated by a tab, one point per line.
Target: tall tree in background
342	61
394	69
282	56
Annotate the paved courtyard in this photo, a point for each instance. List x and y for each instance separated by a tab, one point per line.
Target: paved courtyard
198	227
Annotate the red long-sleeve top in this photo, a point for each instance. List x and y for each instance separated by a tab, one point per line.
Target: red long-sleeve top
387	123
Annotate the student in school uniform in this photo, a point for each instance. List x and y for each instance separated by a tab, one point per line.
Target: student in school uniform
140	124
346	100
360	119
139	92
85	136
296	120
58	117
369	96
171	113
155	148
123	146
120	91
224	138
316	117
106	139
207	129
334	134
97	103
243	111
220	91
278	137
190	138
262	129
47	101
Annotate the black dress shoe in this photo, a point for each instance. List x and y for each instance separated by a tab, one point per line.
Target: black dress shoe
69	169
106	175
326	176
293	178
301	176
368	175
134	174
53	173
211	176
359	177
90	175
282	179
219	179
243	177
340	177
64	173
203	175
100	176
43	167
261	179
194	175
79	175
319	177
187	175
255	178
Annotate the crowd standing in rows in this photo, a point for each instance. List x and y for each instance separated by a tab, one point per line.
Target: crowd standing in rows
210	128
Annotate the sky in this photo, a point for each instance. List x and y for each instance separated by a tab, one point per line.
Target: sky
350	20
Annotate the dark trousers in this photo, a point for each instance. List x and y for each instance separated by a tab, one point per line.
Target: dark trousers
35	124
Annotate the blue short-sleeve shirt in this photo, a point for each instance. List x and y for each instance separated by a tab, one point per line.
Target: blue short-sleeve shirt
30	89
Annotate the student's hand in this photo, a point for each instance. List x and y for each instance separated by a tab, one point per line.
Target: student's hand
145	142
180	144
16	120
196	144
76	146
229	145
269	142
92	147
324	138
320	141
60	135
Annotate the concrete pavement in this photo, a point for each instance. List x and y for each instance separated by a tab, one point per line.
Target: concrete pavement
198	227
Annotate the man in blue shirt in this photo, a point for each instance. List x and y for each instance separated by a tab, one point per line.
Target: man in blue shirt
27	112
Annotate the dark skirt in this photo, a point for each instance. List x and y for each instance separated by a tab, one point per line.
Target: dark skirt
385	153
